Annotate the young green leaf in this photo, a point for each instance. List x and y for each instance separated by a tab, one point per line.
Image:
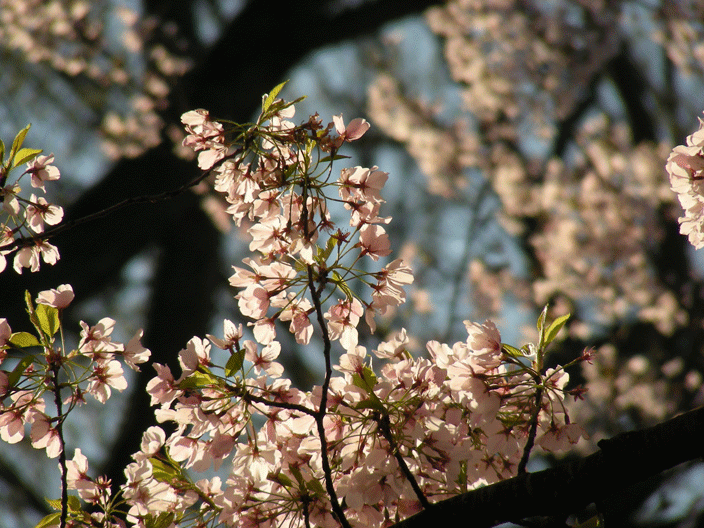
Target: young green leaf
163	520
342	285
235	362
272	96
19	369
333	158
329	246
316	487
280	478
541	318
50	520
555	327
511	350
17	143
541	327
54	503
198	380
373	403
366	381
24	340
297	475
48	317
2	151
163	472
74	504
25	155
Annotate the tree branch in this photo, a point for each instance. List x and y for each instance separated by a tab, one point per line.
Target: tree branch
624	460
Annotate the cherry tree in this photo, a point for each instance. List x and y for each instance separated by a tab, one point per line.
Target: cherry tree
580	185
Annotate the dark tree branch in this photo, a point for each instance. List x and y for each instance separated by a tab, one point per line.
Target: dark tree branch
624	460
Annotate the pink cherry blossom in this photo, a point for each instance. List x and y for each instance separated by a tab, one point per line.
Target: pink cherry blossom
77	478
60	297
484	341
42	170
5	333
253	301
374	241
134	353
297	311
196	353
39	212
44	436
162	389
231	336
264	330
343	319
106	375
353	131
96	339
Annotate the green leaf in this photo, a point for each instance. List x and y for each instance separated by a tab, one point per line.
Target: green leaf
54	503
511	350
163	472
333	158
272	96
19	369
25	155
74	505
48	317
50	520
342	285
163	520
366	381
373	403
17	143
198	380
555	327
31	311
297	475
24	340
281	479
316	487
594	522
329	246
541	328
2	151
542	317
235	363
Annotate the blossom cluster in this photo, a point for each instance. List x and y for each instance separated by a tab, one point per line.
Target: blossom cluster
30	215
685	167
288	223
361	449
425	429
92	368
366	447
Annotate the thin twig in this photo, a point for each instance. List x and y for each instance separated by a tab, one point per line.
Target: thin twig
320	417
385	427
134	200
533	430
56	389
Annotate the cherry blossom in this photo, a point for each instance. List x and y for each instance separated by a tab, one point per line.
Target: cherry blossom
28	256
39	212
59	297
77	478
41	170
96	339
44	436
686	169
106	374
353	131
